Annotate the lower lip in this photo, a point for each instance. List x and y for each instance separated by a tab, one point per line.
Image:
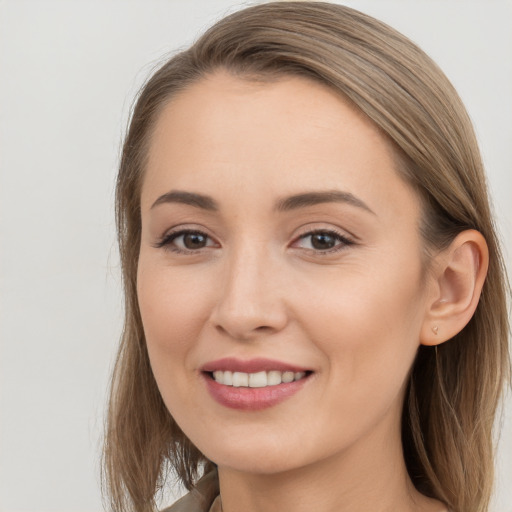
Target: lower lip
252	399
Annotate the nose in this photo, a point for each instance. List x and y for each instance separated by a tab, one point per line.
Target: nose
251	297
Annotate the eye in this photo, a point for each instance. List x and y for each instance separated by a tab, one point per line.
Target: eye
323	241
185	241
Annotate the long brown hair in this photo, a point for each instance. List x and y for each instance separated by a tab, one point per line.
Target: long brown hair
453	391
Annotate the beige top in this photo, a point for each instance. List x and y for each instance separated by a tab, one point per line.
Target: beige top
204	497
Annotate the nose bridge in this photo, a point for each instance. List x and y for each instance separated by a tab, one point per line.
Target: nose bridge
249	300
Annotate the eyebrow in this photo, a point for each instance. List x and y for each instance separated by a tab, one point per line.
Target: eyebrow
282	205
190	198
314	198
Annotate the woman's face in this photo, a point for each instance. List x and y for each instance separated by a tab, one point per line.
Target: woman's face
278	243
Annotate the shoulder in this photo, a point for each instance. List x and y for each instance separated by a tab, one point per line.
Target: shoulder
200	498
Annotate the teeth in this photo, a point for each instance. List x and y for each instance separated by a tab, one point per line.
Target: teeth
288	377
274	378
256	380
240	379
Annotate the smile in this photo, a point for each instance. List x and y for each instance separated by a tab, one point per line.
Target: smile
261	379
255	384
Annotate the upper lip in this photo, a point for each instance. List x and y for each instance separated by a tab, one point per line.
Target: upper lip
251	365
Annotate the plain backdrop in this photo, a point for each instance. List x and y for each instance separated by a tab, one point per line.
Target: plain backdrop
68	73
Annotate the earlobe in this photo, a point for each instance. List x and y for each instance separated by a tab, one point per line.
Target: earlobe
460	272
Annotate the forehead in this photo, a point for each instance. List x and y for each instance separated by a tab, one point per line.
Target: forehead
231	135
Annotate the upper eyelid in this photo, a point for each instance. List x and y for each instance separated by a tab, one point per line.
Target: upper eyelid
344	239
308	230
185	228
171	235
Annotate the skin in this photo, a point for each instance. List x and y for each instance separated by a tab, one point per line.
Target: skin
259	288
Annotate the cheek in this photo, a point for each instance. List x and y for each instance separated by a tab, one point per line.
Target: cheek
368	327
171	313
172	317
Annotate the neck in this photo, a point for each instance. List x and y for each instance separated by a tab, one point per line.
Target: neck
370	475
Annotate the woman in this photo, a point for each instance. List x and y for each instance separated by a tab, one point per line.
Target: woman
315	298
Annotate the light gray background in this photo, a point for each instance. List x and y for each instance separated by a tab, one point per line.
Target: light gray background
68	73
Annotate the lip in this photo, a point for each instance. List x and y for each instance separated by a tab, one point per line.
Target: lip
252	399
233	364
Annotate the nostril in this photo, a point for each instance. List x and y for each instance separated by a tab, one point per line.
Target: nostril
244	321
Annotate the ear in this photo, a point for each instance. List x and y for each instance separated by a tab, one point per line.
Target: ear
458	276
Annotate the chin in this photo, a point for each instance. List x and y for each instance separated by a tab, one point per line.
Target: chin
263	456
264	465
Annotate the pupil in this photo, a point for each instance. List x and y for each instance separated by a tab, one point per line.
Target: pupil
194	241
323	241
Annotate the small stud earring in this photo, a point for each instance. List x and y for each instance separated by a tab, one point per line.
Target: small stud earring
435	329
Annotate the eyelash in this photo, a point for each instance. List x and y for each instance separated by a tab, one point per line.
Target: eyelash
168	239
343	241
